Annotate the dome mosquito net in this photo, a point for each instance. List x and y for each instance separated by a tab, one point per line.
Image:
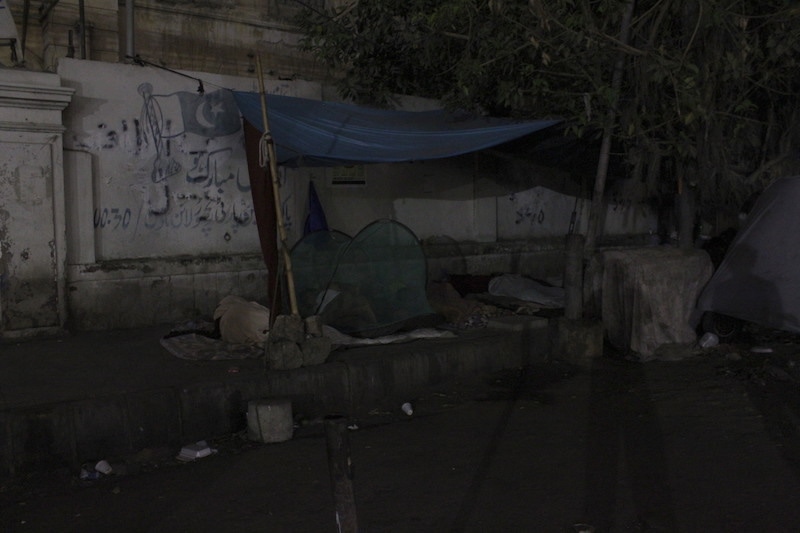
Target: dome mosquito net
370	285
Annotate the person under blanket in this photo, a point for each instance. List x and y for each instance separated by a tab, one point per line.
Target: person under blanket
242	322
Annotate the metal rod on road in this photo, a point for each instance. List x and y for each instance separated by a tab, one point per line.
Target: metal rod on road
341	470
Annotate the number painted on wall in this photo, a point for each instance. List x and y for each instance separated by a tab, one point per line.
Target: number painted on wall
112	218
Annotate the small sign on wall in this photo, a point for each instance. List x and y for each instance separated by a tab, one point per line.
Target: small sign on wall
347	176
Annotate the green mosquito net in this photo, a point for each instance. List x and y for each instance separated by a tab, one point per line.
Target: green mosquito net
370	285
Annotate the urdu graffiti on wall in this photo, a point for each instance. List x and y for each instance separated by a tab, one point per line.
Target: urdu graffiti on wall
540	211
529	208
185	155
191	134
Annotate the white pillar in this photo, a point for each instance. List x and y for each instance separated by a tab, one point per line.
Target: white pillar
32	217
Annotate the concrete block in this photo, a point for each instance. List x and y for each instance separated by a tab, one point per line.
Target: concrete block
287	327
646	296
270	420
313	326
283	355
577	342
293	357
315	350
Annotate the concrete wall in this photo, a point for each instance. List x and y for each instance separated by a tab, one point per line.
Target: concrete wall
154	221
472	218
467	199
160	214
219	36
160	218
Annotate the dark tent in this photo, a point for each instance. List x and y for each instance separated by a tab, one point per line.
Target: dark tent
759	279
314	133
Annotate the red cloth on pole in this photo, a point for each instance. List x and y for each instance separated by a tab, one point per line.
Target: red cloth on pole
264	209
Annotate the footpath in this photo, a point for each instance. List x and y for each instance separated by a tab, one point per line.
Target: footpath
705	443
83	397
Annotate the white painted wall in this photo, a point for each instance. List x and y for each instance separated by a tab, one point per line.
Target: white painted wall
156	213
169	174
160	213
472	219
464	200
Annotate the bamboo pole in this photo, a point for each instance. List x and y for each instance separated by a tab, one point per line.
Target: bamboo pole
266	138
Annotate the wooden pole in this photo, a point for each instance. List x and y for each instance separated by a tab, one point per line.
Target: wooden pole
272	162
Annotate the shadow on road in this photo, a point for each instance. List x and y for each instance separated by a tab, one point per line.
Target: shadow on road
527	381
778	402
625	453
478	480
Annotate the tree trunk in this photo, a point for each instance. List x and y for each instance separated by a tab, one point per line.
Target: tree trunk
686	218
573	277
596	215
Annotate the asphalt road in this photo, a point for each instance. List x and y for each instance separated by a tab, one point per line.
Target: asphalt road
709	443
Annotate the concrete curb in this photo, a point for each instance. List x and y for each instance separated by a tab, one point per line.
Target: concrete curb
354	381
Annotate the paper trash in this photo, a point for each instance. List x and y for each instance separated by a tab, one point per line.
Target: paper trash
195	451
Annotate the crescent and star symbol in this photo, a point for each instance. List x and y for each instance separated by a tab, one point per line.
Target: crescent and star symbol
214	110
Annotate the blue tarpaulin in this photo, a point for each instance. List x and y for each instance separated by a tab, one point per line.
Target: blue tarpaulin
315	133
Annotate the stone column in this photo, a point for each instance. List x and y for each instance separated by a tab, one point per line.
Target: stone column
32	221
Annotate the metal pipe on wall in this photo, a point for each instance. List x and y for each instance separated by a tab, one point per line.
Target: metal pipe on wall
129	48
82	23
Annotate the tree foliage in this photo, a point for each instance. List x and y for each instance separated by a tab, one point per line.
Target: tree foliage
709	95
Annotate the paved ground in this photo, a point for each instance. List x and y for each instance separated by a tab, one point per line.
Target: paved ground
78	398
100	363
709	443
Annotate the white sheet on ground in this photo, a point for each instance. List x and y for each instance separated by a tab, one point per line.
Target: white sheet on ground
341	339
527	289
